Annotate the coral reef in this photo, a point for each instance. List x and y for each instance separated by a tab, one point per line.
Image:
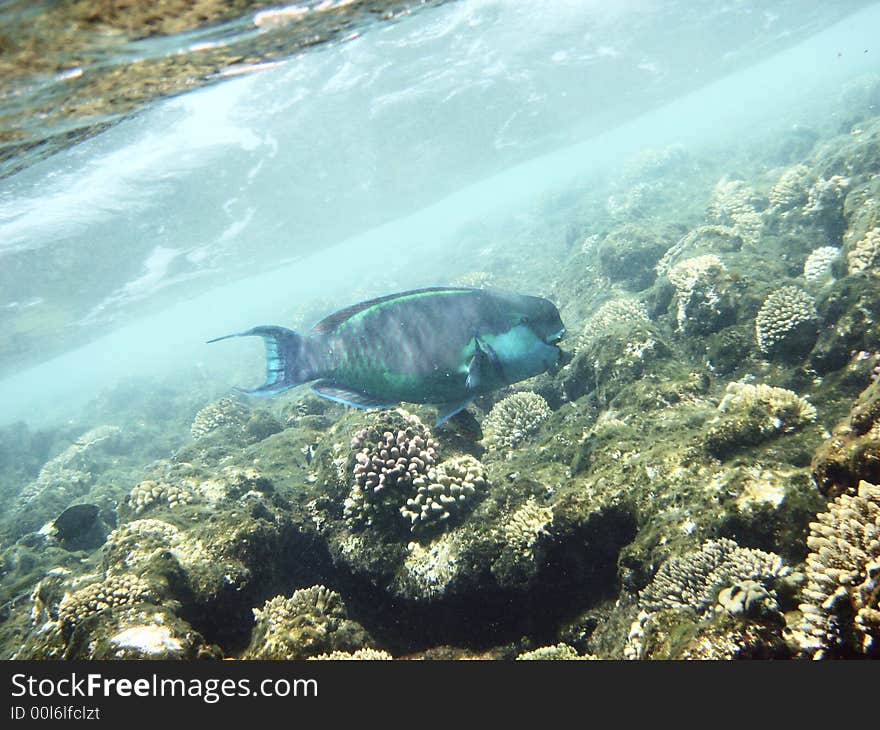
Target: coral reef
792	189
852	452
750	414
695	580
515	418
557	652
786	324
387	464
842	598
149	493
311	622
114	591
375	655
614	314
817	267
865	253
703	301
734	204
445	491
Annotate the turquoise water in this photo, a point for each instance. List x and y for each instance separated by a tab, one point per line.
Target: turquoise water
485	143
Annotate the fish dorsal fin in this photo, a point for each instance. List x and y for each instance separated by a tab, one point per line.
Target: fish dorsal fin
332	321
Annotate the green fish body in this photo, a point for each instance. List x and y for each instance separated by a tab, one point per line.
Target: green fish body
441	345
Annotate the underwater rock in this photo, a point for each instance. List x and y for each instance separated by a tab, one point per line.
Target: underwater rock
750	414
704	302
841	610
727	349
311	622
749	599
628	254
852	453
515	418
787	323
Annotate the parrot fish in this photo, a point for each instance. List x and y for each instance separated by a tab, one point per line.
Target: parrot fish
439	345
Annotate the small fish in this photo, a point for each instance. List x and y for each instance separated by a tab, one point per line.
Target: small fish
439	345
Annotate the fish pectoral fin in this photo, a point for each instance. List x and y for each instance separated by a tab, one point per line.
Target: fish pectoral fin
445	411
484	356
472	382
349	396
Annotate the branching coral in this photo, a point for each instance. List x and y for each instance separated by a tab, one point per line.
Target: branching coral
865	254
842	597
734	204
749	414
817	267
787	320
149	493
695	580
514	418
613	314
386	465
444	491
225	413
312	621
114	591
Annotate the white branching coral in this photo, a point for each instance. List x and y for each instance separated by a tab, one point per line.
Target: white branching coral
525	527
444	491
734	204
112	592
694	581
785	315
791	189
224	413
842	597
558	652
373	655
517	417
149	493
817	267
865	254
387	463
614	314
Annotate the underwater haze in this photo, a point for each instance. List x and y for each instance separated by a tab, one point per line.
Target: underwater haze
692	185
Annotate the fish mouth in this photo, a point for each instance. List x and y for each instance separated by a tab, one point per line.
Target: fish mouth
556	337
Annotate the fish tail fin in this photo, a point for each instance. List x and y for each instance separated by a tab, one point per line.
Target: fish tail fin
287	361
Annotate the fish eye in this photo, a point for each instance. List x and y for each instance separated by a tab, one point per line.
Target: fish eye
523	320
